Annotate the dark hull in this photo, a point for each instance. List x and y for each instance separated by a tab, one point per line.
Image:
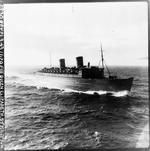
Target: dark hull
104	84
75	82
118	84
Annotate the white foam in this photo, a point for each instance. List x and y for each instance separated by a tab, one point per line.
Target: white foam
120	93
86	92
101	92
98	92
143	141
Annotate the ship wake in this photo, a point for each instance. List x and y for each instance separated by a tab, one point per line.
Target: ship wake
100	92
53	83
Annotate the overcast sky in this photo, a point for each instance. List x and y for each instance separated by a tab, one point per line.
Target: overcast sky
67	30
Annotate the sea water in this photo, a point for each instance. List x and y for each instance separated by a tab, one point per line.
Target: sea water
41	113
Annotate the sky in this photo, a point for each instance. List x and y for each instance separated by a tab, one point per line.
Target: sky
41	34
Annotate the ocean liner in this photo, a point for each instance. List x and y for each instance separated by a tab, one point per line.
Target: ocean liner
91	77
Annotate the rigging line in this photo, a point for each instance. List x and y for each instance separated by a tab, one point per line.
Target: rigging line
103	61
107	69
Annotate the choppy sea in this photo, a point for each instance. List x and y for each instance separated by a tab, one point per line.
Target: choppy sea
40	113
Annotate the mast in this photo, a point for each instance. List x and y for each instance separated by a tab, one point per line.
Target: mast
102	57
103	61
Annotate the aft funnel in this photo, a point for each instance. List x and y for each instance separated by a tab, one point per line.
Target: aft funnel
79	61
62	63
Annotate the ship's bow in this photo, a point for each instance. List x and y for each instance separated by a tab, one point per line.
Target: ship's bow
121	84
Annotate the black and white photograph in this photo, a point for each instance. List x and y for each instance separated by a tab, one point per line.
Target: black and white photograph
76	75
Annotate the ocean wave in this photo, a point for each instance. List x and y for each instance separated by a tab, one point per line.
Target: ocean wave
41	109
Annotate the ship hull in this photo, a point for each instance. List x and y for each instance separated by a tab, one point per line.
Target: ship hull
103	84
76	82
